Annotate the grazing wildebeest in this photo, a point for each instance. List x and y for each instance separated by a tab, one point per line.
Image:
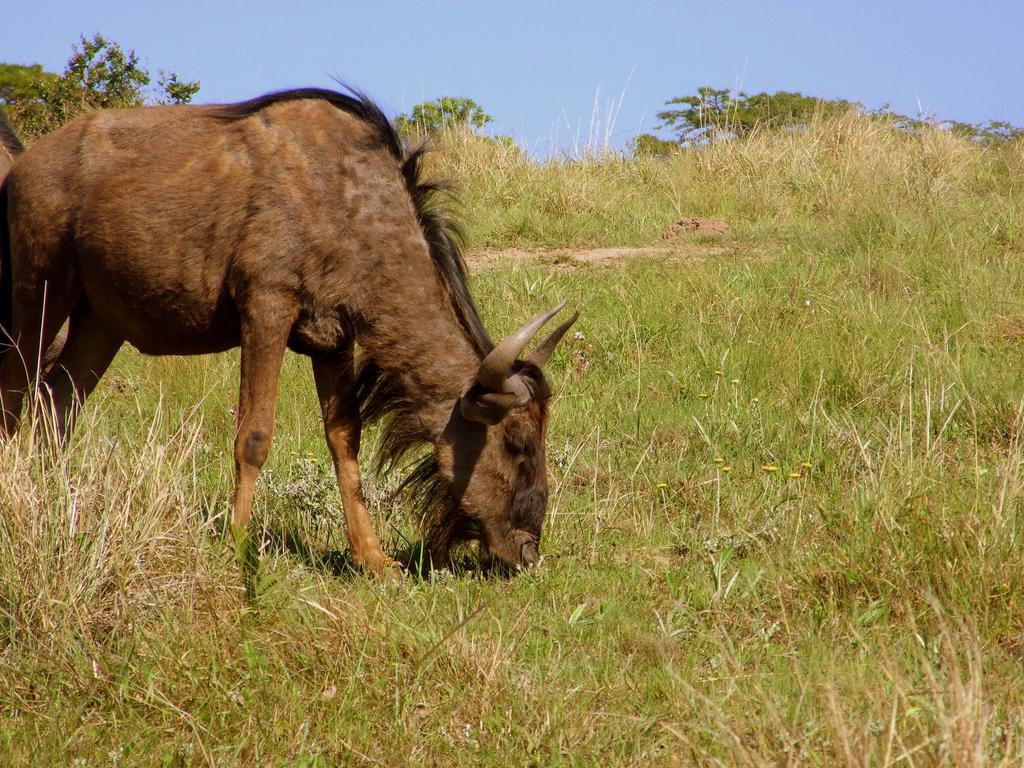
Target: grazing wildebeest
296	220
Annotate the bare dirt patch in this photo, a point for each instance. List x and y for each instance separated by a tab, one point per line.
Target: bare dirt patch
683	242
602	257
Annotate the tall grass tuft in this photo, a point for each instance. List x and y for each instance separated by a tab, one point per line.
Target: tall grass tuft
96	537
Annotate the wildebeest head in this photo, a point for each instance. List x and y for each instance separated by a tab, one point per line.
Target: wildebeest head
492	452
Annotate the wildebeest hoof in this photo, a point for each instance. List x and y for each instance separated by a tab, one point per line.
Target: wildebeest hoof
384	568
529	554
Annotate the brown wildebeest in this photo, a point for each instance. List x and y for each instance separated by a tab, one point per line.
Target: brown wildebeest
295	220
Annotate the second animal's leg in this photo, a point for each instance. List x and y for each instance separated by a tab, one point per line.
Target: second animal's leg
335	386
56	346
84	357
39	310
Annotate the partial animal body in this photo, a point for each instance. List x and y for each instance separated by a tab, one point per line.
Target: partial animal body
295	220
10	148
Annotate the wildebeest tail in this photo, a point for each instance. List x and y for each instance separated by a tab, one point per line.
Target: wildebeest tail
9	141
10	147
6	294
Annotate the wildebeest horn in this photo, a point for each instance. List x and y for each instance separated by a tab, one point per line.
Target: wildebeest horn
493	374
543	351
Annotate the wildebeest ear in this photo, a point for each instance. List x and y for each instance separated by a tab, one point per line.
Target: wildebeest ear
486	407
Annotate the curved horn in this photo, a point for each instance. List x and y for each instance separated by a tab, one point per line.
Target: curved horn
543	351
493	372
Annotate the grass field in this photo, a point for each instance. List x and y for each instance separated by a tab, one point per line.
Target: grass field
785	524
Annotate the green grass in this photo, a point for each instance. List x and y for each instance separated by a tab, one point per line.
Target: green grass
862	328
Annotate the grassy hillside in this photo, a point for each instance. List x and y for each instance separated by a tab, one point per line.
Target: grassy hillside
785	525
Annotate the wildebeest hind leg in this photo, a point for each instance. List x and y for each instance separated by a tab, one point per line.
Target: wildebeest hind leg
335	388
88	351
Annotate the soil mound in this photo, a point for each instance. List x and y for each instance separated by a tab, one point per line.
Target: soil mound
695	227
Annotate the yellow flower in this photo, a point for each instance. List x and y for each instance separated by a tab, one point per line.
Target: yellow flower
727	467
795	475
718	373
704	395
719	460
661	485
805	464
769	468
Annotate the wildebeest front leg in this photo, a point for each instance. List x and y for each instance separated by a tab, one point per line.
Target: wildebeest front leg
334	384
263	345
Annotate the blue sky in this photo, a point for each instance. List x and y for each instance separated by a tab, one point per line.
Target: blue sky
541	67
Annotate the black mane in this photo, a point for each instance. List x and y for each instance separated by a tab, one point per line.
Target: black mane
443	235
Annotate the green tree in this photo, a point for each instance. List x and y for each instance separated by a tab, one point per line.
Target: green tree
995	131
649	145
19	82
989	132
432	117
99	75
177	91
717	112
